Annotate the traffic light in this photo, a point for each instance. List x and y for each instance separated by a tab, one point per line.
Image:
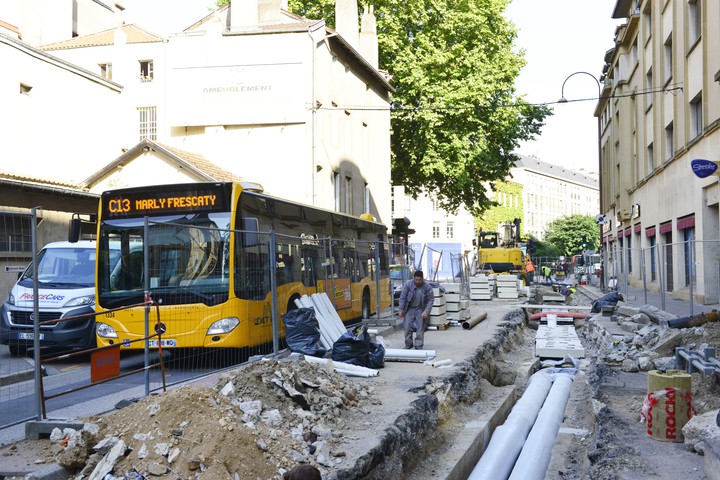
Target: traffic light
401	226
584	243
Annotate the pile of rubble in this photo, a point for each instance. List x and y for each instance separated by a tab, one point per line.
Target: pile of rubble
649	343
259	421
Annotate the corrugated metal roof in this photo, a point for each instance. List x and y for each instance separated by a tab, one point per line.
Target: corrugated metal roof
107	37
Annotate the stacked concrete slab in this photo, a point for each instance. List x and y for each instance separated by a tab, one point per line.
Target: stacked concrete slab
557	341
438	313
457	307
507	287
480	288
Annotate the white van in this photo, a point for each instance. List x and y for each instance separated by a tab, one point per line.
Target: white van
66	275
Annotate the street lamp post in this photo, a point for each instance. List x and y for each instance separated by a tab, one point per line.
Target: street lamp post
599	133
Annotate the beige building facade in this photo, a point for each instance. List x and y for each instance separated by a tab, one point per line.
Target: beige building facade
660	111
550	192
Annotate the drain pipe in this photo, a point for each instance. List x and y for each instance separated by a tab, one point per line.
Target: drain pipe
507	440
537	451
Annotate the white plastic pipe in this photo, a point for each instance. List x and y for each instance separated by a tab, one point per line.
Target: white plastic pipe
326	324
535	457
325	340
345	368
506	443
409	355
438	363
323	301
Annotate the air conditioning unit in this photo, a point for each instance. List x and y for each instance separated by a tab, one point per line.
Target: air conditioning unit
623	215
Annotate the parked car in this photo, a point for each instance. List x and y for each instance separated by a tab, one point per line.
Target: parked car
66	288
399	274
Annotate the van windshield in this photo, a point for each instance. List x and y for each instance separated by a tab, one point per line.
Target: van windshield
63	267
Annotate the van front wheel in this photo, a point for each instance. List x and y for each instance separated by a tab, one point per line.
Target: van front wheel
16	350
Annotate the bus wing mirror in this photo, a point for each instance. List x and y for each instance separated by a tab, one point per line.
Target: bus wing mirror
74	229
250	228
76	224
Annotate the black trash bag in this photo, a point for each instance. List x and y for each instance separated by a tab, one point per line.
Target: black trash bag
353	347
376	356
302	332
609	300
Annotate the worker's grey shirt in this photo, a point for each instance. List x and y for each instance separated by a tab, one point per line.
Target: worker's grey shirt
420	297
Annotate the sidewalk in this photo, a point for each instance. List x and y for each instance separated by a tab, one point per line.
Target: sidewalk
638	297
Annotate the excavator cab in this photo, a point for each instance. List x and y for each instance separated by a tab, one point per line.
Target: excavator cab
488	239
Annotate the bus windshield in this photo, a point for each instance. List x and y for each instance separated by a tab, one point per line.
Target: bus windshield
188	260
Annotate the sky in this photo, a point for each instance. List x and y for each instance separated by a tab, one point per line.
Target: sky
560	37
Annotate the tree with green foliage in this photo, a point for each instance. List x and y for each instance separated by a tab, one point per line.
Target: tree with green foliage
456	118
542	249
566	233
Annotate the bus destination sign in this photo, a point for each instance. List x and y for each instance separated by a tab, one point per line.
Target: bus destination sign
141	202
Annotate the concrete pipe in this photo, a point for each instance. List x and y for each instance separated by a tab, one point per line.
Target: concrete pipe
534	459
468	324
507	440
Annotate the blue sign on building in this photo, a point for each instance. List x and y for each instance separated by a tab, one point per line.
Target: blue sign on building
703	168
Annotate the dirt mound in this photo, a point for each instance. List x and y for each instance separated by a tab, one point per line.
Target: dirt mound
260	420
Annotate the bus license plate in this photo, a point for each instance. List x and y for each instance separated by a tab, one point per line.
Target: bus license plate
166	342
29	336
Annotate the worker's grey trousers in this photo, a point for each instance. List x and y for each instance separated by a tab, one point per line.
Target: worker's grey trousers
413	322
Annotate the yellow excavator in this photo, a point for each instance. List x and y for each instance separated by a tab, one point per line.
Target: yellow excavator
500	254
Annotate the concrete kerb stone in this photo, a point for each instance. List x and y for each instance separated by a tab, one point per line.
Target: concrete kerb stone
16	377
35	429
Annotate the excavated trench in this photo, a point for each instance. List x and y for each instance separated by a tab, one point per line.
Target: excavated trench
440	434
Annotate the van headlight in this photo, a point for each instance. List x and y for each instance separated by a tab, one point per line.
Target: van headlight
11	299
226	325
81	301
106	331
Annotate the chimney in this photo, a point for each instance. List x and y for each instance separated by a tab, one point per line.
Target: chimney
346	21
243	14
119	8
269	11
368	36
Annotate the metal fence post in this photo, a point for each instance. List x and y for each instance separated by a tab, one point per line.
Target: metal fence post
661	274
691	268
273	290
644	273
36	313
377	277
146	274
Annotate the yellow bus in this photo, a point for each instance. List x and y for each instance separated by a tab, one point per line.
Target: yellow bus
210	254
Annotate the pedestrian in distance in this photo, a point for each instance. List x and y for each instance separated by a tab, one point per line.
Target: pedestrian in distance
302	472
416	301
529	271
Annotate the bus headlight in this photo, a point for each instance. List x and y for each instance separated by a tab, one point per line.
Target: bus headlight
105	330
80	301
11	299
226	325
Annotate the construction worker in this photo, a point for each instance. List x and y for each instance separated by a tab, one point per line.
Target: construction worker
546	271
416	301
529	271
